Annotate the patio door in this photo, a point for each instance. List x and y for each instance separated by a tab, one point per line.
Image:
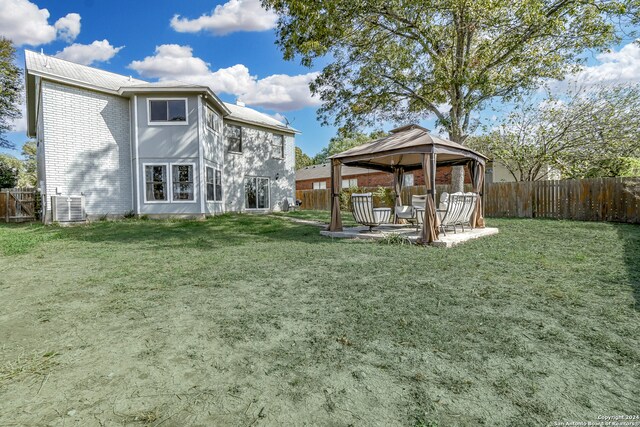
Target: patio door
256	193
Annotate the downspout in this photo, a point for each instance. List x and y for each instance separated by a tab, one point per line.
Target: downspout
135	138
201	171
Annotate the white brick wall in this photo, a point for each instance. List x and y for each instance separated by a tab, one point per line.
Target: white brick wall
87	147
257	159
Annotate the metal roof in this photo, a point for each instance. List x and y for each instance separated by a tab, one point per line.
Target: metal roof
50	66
60	70
249	115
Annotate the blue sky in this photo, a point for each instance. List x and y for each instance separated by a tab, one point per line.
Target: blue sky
226	44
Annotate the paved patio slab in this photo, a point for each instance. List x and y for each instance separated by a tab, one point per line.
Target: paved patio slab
451	239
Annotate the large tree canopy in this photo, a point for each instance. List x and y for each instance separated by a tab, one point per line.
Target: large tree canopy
583	133
10	90
401	60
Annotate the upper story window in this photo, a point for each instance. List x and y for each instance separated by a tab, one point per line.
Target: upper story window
278	146
168	111
213	120
320	185
408	180
233	135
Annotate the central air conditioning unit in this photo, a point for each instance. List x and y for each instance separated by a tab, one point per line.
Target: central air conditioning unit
67	208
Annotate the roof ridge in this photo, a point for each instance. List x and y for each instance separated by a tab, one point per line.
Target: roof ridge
82	65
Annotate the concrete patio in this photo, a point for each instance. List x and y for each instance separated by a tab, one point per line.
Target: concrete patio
383	231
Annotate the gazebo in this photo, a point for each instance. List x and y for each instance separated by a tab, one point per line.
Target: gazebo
410	148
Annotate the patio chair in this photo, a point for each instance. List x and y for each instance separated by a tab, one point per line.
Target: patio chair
364	213
444	201
452	216
470	205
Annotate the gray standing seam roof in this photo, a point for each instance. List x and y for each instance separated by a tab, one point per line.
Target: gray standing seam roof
46	65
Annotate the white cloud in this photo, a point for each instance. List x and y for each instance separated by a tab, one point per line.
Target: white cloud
171	62
68	27
87	54
278	92
20	125
25	24
233	16
622	66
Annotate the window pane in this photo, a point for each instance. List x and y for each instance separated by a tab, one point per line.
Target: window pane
278	146
250	193
210	186
177	111
233	134
263	193
155	182
218	185
182	182
158	111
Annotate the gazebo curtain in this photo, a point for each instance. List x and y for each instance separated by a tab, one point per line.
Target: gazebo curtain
398	182
430	224
336	183
476	171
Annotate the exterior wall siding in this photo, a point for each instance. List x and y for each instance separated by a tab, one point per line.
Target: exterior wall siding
258	160
169	144
86	146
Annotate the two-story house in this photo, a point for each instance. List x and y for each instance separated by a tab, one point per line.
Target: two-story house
156	149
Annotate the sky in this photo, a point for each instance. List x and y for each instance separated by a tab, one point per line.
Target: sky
228	45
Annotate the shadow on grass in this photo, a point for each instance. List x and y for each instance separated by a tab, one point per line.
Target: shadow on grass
219	231
629	234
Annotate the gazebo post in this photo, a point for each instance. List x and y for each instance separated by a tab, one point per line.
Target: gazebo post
433	179
336	183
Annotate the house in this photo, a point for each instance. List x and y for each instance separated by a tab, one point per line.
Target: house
156	149
318	177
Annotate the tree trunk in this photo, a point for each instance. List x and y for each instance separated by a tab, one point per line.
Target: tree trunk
457	179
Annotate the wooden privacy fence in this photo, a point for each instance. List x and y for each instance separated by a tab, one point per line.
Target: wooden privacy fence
597	199
17	204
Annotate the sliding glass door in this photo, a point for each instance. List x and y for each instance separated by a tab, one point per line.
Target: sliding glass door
256	193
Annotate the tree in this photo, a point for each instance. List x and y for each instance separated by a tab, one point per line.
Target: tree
10	90
9	170
28	174
302	160
343	141
585	132
398	59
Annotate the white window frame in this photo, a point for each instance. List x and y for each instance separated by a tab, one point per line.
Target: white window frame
206	183
281	147
168	123
350	181
224	138
208	109
169	167
169	184
313	185
404	181
195	181
244	186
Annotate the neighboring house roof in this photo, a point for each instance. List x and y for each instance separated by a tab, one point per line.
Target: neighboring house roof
323	171
249	115
63	71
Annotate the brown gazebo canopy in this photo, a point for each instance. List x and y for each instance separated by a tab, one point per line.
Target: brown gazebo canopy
410	148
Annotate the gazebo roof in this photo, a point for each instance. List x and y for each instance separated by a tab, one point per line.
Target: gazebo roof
404	148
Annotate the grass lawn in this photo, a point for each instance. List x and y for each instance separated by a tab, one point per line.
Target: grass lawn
256	320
